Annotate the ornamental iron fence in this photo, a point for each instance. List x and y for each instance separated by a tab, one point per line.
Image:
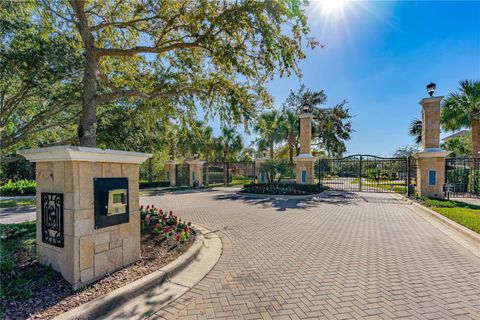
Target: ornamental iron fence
464	174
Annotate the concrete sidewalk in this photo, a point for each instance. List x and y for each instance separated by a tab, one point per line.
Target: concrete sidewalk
17	214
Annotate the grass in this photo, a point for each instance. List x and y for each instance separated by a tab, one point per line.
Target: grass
466	214
17	203
19	275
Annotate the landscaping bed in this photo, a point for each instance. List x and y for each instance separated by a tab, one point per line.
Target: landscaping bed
30	290
283	189
463	213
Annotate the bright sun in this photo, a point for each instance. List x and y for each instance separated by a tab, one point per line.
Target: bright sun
332	8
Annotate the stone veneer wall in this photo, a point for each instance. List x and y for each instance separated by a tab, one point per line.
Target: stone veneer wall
431	123
424	166
309	167
88	254
198	169
305	133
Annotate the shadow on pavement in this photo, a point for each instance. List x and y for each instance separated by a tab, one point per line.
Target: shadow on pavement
329	197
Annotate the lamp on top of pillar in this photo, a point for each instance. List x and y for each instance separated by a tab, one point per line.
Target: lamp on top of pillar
195	156
306	109
431	88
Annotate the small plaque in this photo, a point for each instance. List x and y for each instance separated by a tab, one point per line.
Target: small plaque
449	187
52	218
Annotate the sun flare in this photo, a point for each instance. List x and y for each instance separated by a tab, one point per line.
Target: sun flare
332	8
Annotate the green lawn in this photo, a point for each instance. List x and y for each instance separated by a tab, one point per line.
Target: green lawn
19	277
463	213
16	203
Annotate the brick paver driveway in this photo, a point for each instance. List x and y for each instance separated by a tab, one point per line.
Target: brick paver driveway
348	256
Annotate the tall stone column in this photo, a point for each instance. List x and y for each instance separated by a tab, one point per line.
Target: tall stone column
431	159
170	172
196	172
88	220
305	162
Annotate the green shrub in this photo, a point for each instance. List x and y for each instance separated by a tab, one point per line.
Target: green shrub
283	189
154	184
19	187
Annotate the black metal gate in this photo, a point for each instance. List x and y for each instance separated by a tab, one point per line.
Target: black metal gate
464	174
227	173
182	174
367	173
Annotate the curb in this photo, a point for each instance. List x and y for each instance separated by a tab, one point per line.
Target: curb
465	237
122	298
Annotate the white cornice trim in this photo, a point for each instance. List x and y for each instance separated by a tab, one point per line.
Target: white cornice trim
432	153
305	157
74	153
306	115
431	99
196	162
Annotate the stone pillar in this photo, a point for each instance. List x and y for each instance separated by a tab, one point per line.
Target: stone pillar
170	172
431	159
305	162
306	133
262	178
88	251
196	172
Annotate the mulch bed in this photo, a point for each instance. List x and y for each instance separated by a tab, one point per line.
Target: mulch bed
58	296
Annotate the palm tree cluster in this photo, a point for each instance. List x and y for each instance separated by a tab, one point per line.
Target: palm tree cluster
331	127
461	109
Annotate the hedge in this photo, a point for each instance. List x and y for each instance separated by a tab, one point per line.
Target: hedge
154	184
19	187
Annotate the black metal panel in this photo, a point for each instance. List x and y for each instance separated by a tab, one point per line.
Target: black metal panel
365	173
101	186
52	218
464	174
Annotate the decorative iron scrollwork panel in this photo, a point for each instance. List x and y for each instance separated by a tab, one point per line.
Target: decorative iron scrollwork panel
52	219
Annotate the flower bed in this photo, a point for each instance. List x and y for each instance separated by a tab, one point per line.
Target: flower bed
30	290
283	189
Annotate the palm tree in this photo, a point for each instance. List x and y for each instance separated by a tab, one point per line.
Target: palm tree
230	142
290	128
268	127
462	110
415	130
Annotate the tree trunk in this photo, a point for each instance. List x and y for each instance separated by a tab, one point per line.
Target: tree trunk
150	170
271	151
207	152
225	168
87	130
475	138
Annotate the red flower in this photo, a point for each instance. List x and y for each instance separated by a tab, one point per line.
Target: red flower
141	207
189	223
156	225
171	212
186	229
148	207
177	237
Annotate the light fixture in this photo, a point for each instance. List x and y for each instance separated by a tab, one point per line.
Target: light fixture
195	156
305	108
431	88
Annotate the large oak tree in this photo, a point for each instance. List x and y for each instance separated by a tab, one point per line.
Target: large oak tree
215	53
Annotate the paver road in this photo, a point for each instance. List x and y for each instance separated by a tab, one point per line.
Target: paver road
349	256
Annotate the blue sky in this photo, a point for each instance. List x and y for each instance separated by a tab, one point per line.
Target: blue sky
380	55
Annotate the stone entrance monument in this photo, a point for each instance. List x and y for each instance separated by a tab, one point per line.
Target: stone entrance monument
87	210
305	162
431	159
